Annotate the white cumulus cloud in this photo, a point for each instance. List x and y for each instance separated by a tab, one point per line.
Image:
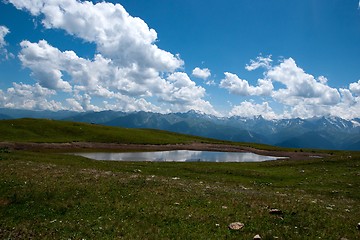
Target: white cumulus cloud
29	97
129	72
101	77
355	87
300	93
250	109
185	95
300	86
304	95
238	86
260	62
46	63
349	107
3	51
201	73
3	32
125	39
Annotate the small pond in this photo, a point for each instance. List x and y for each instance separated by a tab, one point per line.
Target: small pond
180	156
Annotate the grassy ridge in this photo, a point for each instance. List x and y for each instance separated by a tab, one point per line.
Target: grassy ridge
43	130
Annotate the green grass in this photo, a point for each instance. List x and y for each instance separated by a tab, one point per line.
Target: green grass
56	196
49	195
43	130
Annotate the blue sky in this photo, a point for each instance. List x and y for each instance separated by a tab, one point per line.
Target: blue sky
276	58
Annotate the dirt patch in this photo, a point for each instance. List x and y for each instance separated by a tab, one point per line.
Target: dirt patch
4	202
76	146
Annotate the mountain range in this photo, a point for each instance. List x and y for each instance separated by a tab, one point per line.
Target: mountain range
318	132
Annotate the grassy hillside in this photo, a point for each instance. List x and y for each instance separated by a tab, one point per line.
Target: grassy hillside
43	130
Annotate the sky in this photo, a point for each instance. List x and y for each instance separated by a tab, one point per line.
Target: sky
275	58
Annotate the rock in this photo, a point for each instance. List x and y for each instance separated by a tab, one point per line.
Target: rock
275	211
257	237
358	226
236	226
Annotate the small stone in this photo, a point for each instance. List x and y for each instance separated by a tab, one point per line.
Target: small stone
275	211
236	226
257	237
358	226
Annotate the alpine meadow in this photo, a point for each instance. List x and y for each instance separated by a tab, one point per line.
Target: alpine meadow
158	119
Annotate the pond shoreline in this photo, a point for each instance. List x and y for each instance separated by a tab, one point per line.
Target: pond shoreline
178	156
76	146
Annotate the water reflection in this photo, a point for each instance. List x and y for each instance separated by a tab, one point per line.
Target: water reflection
180	156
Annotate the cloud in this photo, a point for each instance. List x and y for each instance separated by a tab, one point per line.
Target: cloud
250	109
260	62
101	77
3	51
300	94
125	39
301	87
201	73
128	73
74	105
3	32
204	74
306	96
46	63
349	107
355	87
241	87
184	95
29	97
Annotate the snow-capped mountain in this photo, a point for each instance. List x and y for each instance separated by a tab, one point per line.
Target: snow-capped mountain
319	132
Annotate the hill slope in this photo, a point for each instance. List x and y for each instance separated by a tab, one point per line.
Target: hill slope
42	130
